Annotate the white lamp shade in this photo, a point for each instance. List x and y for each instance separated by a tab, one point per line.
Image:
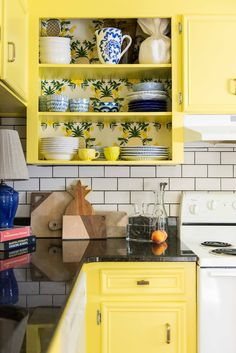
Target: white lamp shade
12	160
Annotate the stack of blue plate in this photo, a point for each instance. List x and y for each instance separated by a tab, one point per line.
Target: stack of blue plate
135	153
148	106
154	100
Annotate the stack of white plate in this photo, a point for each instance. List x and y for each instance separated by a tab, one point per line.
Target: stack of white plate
59	147
54	50
139	153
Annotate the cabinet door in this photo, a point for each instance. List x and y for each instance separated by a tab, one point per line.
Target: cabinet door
209	64
14	57
141	327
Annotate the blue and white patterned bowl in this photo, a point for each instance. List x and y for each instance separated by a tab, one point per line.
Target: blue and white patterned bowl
57	103
109	107
79	104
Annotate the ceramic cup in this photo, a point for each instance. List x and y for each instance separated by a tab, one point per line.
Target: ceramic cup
112	153
87	154
109	43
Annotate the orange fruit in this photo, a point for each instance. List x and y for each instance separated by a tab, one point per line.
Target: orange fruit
159	249
159	236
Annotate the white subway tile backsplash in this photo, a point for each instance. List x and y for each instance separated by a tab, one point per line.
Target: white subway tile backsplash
228	157
143	171
194	171
104	184
22	197
96	197
130	184
188	157
228	184
173	197
52	184
207	157
90	172
154	183
117	197
171	171
105	207
217	171
207	184
23	211
36	171
20	274
174	210
24	185
182	184
117	172
67	171
142	196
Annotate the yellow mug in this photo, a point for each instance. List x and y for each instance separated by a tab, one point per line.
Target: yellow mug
87	154
112	153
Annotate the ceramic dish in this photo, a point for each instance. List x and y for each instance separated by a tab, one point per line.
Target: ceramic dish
107	107
57	103
143	158
59	156
146	97
148	86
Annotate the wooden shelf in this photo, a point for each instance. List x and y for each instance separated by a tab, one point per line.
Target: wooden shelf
105	71
120	116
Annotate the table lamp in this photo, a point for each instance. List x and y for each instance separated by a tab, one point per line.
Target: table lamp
12	167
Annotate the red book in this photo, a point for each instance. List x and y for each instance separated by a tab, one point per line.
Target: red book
16	232
14	262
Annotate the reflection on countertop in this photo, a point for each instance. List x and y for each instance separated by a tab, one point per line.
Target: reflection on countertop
43	284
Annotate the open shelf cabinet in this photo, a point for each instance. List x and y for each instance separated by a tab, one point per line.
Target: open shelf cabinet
106	82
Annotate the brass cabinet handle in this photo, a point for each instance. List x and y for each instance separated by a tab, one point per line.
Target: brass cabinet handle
168	331
232	85
13	58
142	283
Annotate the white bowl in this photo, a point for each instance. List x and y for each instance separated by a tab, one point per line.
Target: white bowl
55	59
59	156
49	51
47	40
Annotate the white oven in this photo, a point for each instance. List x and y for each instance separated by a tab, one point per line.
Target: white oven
210	218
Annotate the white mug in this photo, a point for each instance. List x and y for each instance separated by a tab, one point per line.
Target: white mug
109	43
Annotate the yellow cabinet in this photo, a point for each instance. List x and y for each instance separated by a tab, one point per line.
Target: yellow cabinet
141	307
143	327
14	43
209	64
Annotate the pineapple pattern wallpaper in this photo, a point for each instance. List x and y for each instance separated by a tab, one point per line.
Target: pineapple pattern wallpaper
97	132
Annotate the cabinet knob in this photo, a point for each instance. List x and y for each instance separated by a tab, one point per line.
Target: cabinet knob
168	331
142	283
11	58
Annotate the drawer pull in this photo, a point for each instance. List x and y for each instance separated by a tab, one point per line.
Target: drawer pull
13	55
168	333
143	283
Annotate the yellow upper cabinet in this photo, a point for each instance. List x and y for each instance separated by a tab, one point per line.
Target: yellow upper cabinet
209	64
14	57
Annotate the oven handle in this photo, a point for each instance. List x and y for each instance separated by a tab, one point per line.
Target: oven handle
227	273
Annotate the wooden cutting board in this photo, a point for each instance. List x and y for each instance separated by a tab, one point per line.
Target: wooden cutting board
46	219
84	227
79	205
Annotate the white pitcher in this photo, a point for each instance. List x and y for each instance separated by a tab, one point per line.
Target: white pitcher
109	43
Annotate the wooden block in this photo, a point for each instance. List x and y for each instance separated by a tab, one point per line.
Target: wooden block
84	227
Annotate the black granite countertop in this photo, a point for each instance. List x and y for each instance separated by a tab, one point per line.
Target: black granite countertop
56	262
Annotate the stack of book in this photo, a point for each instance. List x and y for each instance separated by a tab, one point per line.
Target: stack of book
16	245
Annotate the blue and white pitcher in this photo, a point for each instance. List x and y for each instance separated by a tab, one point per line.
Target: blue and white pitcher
109	43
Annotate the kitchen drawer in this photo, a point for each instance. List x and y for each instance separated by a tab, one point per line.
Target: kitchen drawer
142	281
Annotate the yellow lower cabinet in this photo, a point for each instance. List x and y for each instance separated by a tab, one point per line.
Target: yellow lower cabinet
143	327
